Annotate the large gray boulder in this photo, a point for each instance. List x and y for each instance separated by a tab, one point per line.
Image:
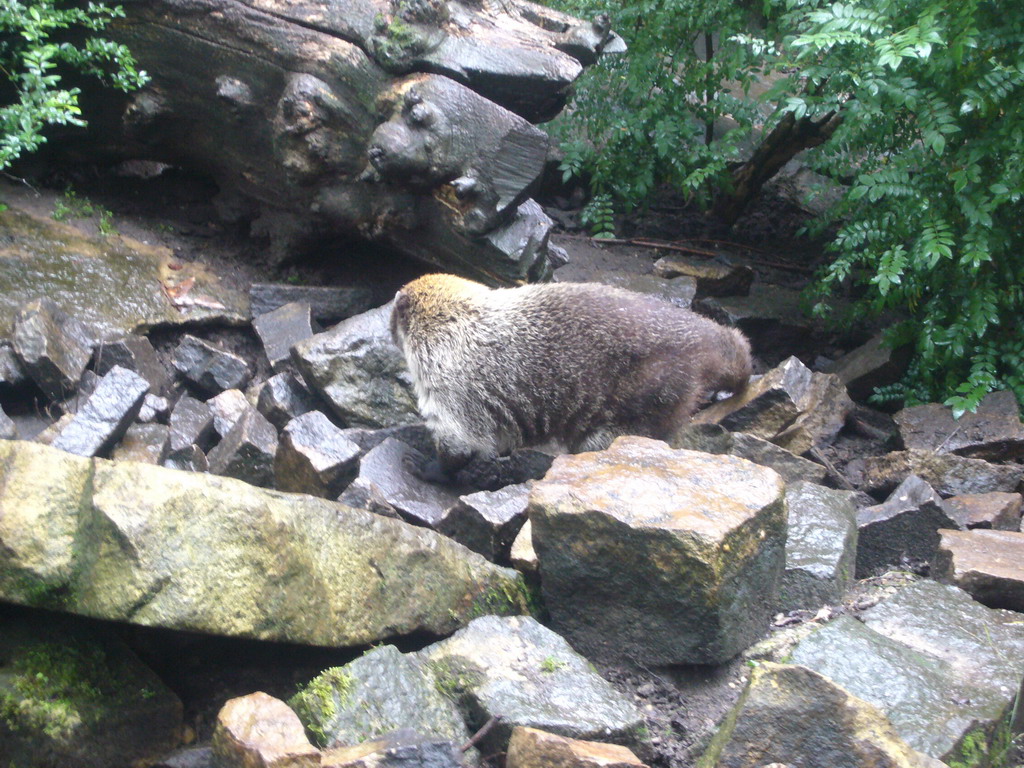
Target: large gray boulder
659	556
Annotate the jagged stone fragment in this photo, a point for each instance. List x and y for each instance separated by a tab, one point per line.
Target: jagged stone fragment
282	398
902	530
989	565
135	353
487	521
105	416
534	748
281	329
191	423
517	668
211	369
259	730
947	473
1001	511
53	347
247	450
993	431
227	408
403	748
8	429
12	373
147	443
154	408
314	457
870	366
328	303
821	546
522	554
828	405
713	278
665	555
189	458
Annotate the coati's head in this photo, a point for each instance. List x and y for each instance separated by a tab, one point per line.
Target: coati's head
430	303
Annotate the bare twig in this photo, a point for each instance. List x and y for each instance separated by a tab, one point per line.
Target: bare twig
830	468
476	737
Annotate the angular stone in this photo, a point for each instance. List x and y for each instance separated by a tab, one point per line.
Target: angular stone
523	555
328	303
948	474
386	478
74	696
53	347
792	716
210	554
713	278
666	556
403	748
903	529
360	372
148	443
12	373
189	458
383	690
105	416
488	521
134	353
227	408
282	398
824	415
154	408
870	366
679	291
519	669
211	369
1001	511
48	434
993	431
191	423
247	450
767	406
938	664
988	565
533	748
187	757
281	329
8	429
713	438
314	457
771	316
259	730
821	546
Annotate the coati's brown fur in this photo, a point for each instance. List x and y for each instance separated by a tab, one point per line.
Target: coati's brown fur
569	365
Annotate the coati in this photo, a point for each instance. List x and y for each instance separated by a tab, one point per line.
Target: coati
568	366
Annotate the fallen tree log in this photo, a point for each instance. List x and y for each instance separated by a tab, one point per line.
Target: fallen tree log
405	122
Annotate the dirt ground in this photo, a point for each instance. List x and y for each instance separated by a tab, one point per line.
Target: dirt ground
179	211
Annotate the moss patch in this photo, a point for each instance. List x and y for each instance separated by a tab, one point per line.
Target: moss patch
319	703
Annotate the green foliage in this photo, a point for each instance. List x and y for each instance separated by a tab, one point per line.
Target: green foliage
645	119
35	48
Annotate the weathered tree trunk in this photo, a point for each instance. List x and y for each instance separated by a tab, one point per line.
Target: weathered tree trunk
406	122
786	140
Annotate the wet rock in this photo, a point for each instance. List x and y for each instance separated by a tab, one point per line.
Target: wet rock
1001	511
187	757
415	435
870	366
771	316
79	697
209	554
191	458
821	546
993	431
12	373
713	278
902	530
522	554
360	372
383	690
247	450
8	429
281	329
211	369
487	521
191	423
328	303
533	748
105	416
939	665
714	438
259	730
948	474
154	408
387	477
989	565
767	406
52	347
403	748
659	556
824	415
792	716
282	398
47	435
148	443
134	353
519	669
314	457
227	408
678	291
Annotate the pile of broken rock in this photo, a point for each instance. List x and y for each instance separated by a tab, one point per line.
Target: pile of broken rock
299	520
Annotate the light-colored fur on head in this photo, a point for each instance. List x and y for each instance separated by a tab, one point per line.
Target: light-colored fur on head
570	365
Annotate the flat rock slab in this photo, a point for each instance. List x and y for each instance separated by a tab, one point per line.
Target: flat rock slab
403	748
534	748
105	416
948	474
1001	511
181	550
656	555
821	546
938	664
281	329
713	278
993	431
328	303
517	668
260	730
789	715
987	564
869	366
115	284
